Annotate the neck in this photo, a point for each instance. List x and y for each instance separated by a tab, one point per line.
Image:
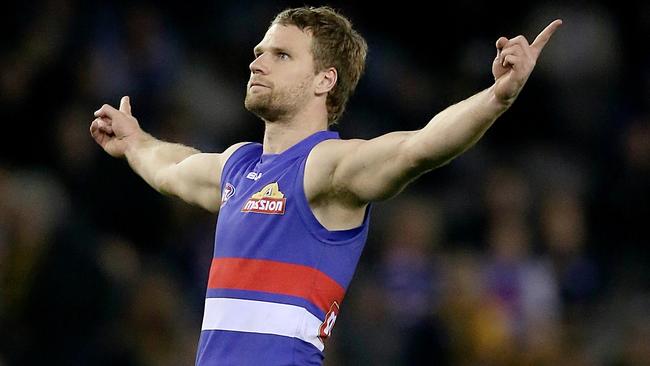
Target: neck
281	135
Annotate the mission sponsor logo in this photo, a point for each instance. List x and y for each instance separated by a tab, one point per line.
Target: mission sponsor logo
269	200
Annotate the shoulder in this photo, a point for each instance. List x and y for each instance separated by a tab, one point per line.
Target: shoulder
323	161
331	151
232	149
325	157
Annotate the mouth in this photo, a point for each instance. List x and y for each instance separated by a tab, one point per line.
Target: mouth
257	84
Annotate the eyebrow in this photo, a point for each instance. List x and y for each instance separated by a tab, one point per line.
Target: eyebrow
259	49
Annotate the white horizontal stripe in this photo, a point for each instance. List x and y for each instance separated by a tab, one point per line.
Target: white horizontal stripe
261	317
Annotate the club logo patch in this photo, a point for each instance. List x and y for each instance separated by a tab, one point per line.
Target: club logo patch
325	330
228	191
269	200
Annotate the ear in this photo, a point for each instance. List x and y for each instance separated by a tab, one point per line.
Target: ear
326	80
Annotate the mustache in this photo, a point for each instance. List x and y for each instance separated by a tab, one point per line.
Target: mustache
259	81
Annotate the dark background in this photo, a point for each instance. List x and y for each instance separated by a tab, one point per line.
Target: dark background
531	248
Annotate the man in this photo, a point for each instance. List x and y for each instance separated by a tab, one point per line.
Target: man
294	210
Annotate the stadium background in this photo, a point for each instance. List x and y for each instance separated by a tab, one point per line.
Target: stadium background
532	248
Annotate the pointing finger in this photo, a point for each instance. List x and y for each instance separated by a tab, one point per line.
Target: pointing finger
541	40
125	105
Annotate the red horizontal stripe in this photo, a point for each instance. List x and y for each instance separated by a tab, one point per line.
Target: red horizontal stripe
276	277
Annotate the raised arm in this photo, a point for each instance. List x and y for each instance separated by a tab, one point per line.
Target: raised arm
171	169
379	168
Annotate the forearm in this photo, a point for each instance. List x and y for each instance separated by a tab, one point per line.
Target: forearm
149	157
455	129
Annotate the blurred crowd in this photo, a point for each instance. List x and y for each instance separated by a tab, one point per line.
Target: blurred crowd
531	248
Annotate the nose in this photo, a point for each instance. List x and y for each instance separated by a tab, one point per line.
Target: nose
258	66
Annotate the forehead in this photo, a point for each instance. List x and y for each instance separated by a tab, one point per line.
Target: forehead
287	37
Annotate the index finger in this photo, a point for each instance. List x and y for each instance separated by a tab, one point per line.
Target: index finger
545	35
105	111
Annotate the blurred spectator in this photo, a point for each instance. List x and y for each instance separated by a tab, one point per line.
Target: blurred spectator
406	269
410	278
366	334
563	230
521	295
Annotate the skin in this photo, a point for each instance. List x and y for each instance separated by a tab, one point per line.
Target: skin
341	176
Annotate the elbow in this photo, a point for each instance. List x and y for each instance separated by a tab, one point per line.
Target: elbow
162	182
421	155
415	157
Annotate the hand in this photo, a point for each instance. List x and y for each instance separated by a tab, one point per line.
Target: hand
515	61
115	130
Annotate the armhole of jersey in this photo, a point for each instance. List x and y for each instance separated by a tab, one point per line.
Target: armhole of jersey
335	237
235	157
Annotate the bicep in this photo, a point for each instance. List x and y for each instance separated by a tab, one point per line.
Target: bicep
197	178
377	169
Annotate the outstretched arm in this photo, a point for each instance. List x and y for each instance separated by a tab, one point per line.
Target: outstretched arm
381	167
172	169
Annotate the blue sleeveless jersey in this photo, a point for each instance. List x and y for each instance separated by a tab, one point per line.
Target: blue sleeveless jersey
278	276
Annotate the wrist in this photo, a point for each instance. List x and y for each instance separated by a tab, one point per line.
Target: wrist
136	141
499	104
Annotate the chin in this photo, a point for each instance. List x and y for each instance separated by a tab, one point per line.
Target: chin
254	105
266	107
261	110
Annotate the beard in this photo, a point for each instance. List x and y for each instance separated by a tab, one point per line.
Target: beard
276	104
268	106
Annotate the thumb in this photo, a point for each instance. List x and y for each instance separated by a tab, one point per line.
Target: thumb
125	105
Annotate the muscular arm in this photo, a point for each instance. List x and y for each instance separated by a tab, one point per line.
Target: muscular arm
171	169
181	171
380	168
151	159
377	169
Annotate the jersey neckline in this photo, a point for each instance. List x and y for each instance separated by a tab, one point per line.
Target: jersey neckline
299	148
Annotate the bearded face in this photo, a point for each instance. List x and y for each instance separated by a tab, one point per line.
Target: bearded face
282	74
273	101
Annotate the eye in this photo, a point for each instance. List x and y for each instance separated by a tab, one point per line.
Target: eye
283	56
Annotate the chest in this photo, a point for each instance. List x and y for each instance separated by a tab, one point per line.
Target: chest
260	189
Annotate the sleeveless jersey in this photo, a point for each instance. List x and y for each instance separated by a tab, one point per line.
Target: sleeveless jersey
278	276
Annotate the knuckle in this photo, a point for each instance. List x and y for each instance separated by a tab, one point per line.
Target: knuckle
521	39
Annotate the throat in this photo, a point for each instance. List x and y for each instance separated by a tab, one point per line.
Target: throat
278	137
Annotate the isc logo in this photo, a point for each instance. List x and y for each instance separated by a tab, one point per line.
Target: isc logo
254	176
325	329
